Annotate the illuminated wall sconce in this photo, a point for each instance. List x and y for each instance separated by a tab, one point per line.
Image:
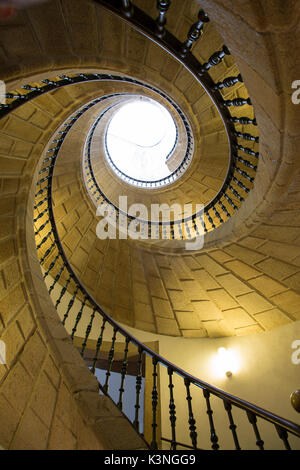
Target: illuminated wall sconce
225	363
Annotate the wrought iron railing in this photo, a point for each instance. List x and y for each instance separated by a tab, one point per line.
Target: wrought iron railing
63	283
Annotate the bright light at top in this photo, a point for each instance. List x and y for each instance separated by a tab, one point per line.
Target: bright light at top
139	138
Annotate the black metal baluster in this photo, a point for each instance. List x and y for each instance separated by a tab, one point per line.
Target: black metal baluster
44	240
243	120
51	266
192	421
237	195
63	291
88	331
78	317
247	150
237	102
70	305
162	6
228	199
127	8
138	388
172	409
47	252
213	436
98	345
228	82
210	220
110	361
232	425
253	420
224	209
56	279
215	59
42	227
194	33
154	445
246	162
218	215
240	184
244	174
246	136
40	215
283	434
123	373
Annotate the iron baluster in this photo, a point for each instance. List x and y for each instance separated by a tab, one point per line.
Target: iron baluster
215	59
224	209
56	279
195	32
154	445
47	252
63	291
210	220
230	201
246	136
237	102
44	240
246	162
78	318
283	434
247	150
138	388
192	421
172	409
237	195
240	184
253	420
98	345
42	227
213	436
243	120
228	82
127	8
218	215
232	425
123	373
162	6
110	360
70	305
51	266
88	331
244	174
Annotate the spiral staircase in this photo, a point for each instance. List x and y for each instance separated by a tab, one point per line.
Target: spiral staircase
76	310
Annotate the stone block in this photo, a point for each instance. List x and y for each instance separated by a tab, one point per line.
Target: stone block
254	303
44	393
207	310
238	318
17	387
34	354
167	326
267	286
272	319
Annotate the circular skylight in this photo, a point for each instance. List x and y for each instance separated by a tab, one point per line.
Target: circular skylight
140	137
